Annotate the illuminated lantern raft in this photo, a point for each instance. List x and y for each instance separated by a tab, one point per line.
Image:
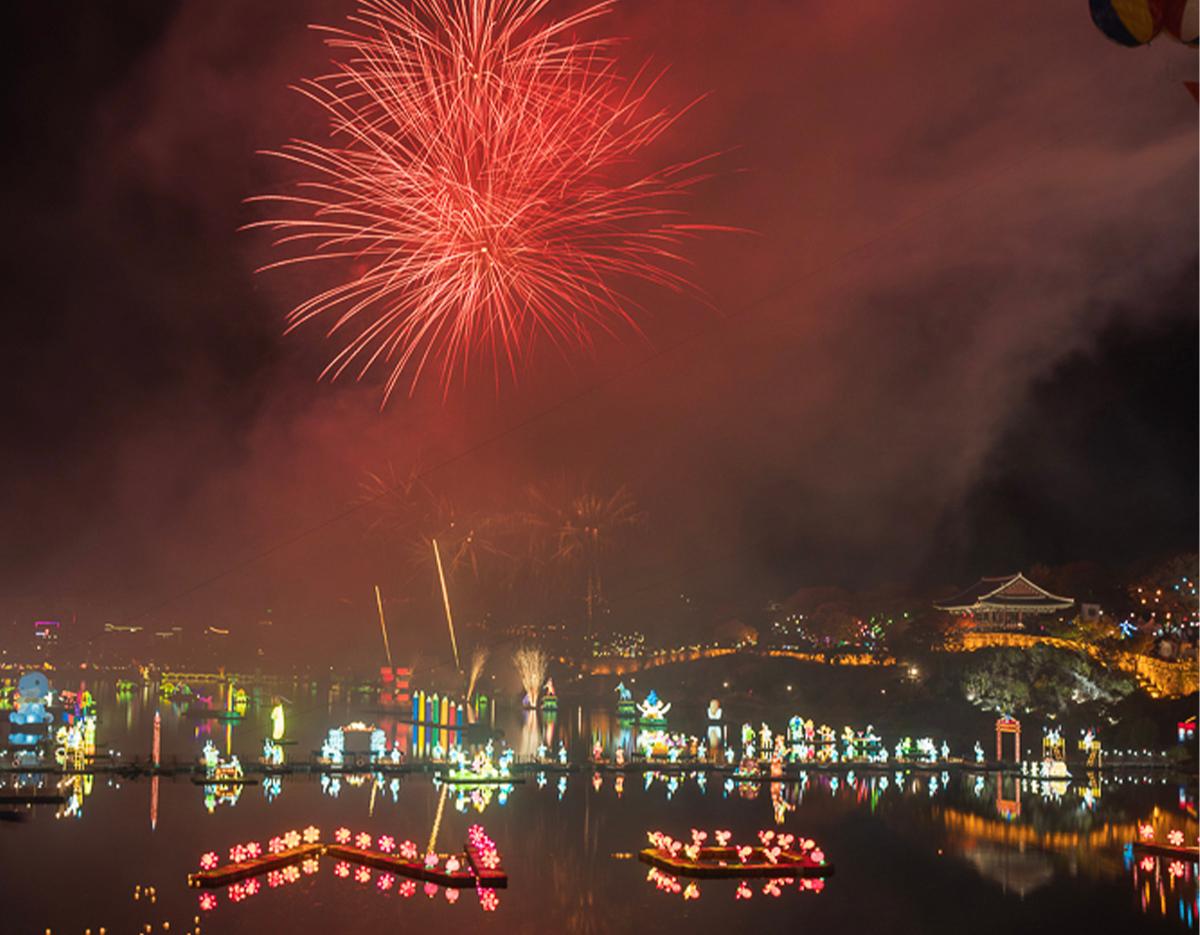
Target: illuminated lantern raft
477	866
776	856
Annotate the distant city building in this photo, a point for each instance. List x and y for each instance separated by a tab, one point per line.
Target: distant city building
46	633
625	645
1007	602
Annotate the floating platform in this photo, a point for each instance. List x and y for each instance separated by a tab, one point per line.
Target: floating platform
34	799
1182	851
211	715
480	780
474	869
213	781
724	863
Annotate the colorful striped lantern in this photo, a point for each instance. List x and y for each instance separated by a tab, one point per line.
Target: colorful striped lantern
1128	22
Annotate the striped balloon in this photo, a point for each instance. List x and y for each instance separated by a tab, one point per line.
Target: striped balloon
1181	18
1128	22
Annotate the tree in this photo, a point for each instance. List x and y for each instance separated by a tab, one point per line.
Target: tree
1167	593
1040	679
571	531
831	624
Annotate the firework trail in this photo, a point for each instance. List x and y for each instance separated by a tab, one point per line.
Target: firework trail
481	186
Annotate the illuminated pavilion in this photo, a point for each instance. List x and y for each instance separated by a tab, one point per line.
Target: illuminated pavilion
1004	603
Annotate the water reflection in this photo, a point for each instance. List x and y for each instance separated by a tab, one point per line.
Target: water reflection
1013	835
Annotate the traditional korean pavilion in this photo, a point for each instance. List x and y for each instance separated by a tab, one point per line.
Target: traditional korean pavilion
1004	603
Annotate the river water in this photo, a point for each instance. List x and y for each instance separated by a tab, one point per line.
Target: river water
913	851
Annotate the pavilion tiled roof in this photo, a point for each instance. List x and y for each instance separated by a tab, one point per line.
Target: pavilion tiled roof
1005	592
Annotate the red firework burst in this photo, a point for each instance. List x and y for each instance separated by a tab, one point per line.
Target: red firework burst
481	181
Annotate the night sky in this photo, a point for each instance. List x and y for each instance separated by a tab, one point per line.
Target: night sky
960	339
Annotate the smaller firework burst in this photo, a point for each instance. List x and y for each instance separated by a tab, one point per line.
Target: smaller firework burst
532	664
479	658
